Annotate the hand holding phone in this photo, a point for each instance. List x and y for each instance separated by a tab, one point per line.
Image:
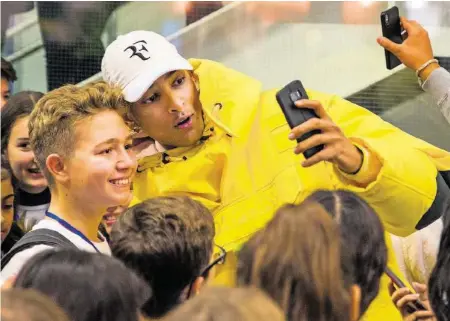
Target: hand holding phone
295	116
415	50
318	137
402	295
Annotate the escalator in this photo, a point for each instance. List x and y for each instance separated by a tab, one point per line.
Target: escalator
399	100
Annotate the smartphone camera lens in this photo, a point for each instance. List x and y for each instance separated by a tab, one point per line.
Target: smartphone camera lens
295	95
386	19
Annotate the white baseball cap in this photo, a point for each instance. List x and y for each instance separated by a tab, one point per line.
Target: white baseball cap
136	60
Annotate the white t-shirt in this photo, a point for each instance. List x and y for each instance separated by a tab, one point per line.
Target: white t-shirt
15	264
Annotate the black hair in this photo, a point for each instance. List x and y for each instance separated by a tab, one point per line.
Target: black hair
362	236
88	286
8	71
439	282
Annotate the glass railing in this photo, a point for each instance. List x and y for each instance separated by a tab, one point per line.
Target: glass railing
330	46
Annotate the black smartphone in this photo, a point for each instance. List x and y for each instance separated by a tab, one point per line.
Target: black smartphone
412	306
286	98
391	28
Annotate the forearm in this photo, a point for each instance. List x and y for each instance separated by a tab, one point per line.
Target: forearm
399	183
437	84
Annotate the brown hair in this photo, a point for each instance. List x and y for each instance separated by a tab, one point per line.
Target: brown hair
53	121
228	304
30	305
296	259
168	241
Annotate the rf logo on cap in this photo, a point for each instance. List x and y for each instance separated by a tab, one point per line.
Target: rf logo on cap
138	52
134	61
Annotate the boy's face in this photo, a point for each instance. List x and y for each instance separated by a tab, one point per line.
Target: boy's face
102	165
7	207
5	91
170	111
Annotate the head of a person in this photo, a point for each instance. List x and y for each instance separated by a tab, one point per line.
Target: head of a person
29	305
112	215
15	139
83	145
7	203
8	77
439	282
309	278
228	304
88	286
160	85
362	236
169	242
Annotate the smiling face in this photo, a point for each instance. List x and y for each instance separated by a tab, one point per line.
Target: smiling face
111	216
170	111
21	159
102	165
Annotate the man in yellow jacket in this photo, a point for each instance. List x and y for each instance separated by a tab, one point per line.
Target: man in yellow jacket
215	135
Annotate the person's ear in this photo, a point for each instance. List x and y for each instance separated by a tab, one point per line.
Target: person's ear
197	285
195	80
355	302
57	168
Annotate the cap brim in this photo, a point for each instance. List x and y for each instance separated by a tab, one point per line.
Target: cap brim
139	85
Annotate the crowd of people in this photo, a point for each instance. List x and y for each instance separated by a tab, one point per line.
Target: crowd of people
174	189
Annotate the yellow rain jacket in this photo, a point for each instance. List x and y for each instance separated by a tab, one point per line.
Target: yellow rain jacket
244	168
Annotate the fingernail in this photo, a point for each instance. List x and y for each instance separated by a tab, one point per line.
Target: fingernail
291	136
